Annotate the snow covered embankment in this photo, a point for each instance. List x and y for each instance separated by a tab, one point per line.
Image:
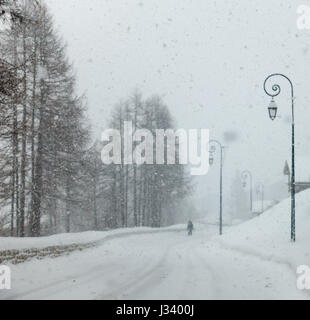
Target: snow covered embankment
19	250
268	236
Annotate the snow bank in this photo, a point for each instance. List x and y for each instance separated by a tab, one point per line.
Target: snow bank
268	236
77	238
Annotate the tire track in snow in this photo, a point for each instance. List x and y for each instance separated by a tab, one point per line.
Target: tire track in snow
54	287
214	277
173	277
142	280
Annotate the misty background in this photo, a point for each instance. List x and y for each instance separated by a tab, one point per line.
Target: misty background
208	60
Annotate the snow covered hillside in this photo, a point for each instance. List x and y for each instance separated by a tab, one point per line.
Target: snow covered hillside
255	260
268	236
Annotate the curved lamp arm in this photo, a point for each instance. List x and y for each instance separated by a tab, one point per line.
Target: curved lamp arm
276	89
216	142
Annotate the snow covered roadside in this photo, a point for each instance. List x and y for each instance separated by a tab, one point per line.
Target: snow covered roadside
18	250
268	236
166	266
255	260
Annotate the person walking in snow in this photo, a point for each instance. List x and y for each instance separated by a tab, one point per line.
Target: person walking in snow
190	228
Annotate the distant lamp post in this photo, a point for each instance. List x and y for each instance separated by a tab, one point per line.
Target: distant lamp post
260	190
245	176
211	161
272	109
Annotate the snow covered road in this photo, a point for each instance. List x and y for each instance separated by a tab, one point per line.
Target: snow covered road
155	266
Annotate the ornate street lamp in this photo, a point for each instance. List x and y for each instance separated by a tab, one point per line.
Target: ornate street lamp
272	109
211	161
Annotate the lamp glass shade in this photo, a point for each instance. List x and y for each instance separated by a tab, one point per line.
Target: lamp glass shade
211	161
273	110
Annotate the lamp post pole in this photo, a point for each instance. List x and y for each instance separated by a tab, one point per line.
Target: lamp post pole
276	90
245	174
261	189
221	181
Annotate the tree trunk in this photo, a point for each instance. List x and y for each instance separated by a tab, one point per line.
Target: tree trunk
38	184
34	100
95	196
24	142
68	211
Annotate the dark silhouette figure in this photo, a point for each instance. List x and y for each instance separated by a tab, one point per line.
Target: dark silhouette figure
190	228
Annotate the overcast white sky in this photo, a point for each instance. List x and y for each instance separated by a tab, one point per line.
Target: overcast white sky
208	59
